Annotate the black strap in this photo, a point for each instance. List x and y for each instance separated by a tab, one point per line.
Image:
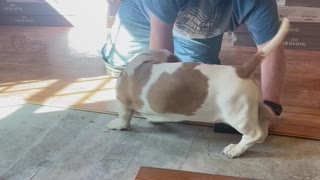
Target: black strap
277	108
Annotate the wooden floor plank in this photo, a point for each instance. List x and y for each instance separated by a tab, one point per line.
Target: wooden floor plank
148	173
295	130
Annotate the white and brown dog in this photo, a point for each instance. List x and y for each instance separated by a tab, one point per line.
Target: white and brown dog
163	89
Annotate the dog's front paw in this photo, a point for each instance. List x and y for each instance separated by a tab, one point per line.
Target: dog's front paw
117	124
233	150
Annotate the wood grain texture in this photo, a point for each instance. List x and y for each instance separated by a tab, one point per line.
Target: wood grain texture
148	173
62	67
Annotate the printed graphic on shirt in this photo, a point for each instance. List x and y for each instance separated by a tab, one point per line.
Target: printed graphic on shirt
192	22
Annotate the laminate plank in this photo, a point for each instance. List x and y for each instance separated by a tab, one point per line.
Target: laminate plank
300	119
148	173
295	130
301	110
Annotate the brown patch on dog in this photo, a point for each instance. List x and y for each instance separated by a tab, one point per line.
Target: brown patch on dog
136	75
246	69
182	92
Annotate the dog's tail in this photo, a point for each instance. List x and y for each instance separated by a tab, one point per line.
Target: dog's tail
247	68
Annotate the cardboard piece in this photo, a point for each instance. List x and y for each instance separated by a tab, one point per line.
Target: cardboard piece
300	14
290	42
301	3
34	20
296	29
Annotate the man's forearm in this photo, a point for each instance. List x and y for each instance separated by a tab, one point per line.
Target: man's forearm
272	75
161	34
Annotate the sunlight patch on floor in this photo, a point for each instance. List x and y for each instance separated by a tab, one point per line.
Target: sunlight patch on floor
47	109
7	111
78	92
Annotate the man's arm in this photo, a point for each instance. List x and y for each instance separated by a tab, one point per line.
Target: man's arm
272	74
160	34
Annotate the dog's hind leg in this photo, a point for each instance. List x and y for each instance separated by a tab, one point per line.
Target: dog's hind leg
123	121
265	118
248	125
